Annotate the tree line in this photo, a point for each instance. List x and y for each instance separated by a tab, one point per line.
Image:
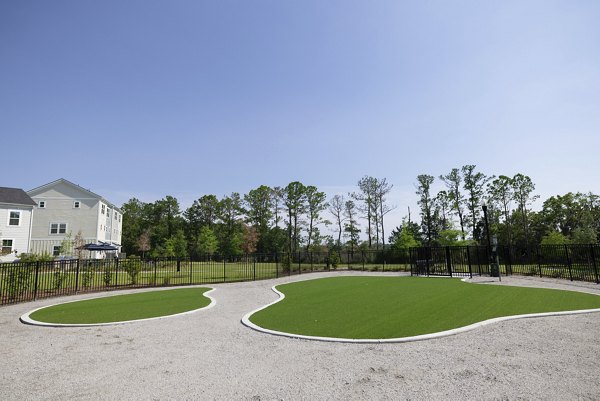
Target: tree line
454	215
299	217
265	220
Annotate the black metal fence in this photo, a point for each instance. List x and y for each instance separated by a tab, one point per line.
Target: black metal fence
20	282
572	262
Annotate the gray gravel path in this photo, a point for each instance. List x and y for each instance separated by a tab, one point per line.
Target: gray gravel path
211	355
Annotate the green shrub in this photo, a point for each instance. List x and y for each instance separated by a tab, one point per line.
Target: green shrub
18	281
59	279
286	263
107	275
133	267
335	259
87	277
32	257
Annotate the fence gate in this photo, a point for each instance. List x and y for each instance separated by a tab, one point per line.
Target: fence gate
460	261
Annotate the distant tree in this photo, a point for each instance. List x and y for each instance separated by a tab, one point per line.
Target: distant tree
316	203
523	188
66	245
78	243
367	198
179	244
451	238
203	212
249	239
336	208
259	204
383	189
135	221
443	204
584	235
474	185
207	241
230	229
425	202
405	236
143	243
294	201
351	227
500	195
453	182
555	238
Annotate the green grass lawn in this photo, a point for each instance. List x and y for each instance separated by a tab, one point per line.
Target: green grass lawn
394	307
125	307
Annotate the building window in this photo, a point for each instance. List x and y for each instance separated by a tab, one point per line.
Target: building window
103	209
6	246
14	218
119	218
58	228
56	250
76	204
42	204
116	214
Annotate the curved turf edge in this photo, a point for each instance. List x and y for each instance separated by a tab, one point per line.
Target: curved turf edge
26	318
246	321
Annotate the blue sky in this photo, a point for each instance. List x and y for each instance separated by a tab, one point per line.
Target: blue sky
185	98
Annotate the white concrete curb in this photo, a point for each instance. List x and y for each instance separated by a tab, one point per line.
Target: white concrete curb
246	321
28	320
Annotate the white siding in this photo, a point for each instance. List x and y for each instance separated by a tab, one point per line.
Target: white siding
18	234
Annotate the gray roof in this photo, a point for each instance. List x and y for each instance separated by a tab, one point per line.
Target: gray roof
15	196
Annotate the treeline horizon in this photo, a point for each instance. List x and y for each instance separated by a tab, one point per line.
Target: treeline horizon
293	218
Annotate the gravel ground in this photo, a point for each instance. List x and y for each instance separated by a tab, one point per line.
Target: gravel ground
211	355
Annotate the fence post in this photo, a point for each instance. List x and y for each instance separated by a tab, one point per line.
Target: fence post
568	262
254	267
348	259
77	276
594	262
362	254
539	257
276	266
448	261
154	271
469	262
35	285
224	279
509	266
191	269
116	272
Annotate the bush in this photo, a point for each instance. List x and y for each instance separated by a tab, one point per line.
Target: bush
87	276
334	259
59	279
107	275
133	267
286	263
32	257
18	281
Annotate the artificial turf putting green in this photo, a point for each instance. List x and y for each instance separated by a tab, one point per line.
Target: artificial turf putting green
121	308
394	307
